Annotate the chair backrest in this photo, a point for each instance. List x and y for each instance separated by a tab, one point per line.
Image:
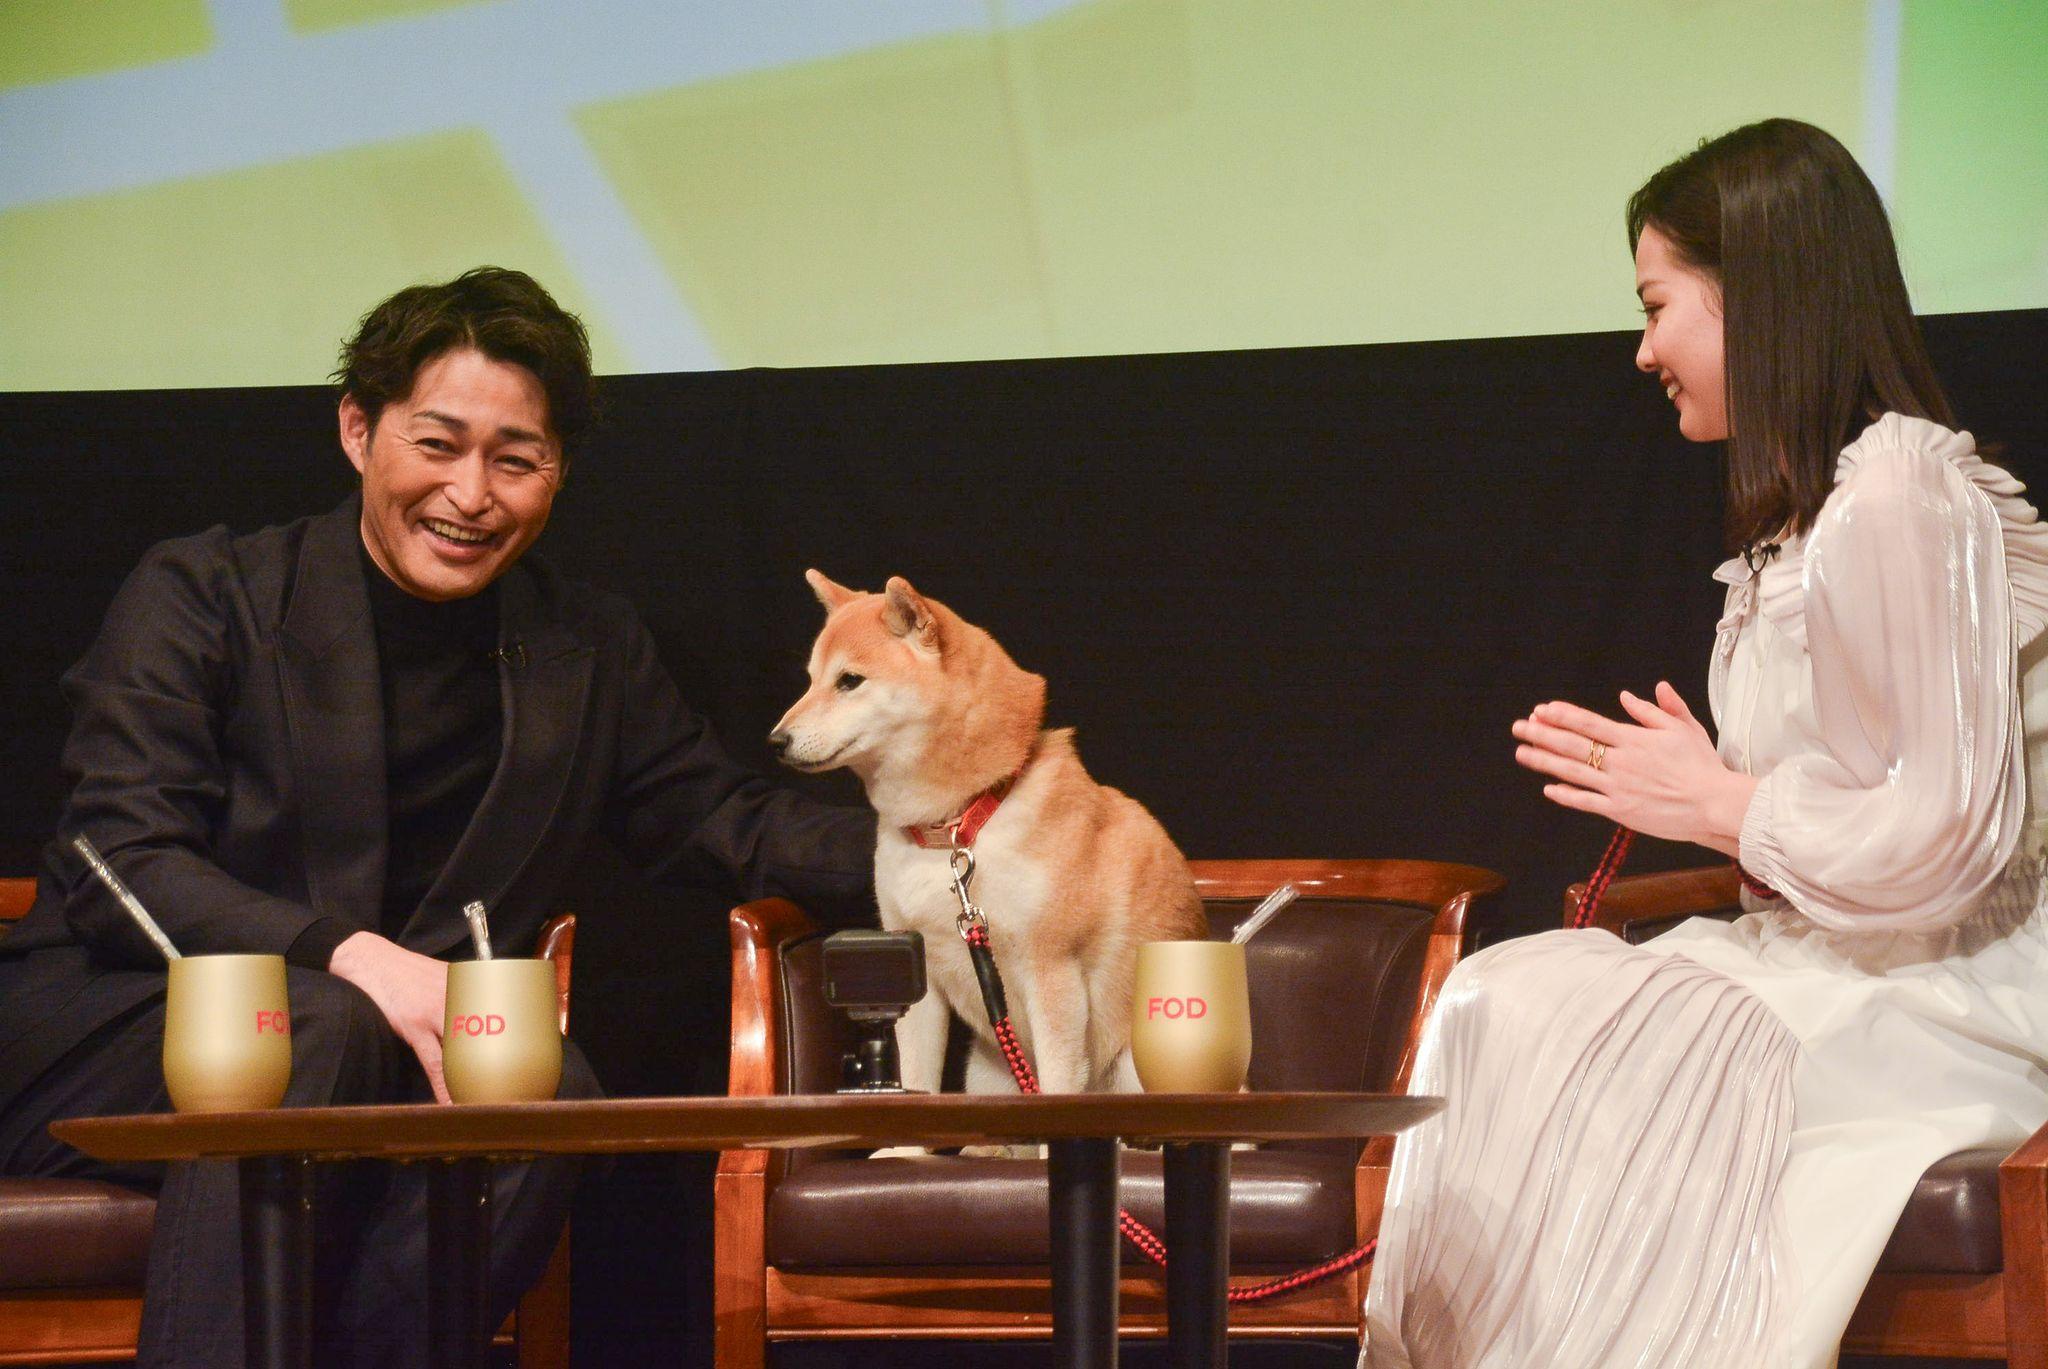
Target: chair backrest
1340	981
815	1039
1333	984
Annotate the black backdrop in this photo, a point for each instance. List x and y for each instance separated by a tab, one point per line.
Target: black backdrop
1292	599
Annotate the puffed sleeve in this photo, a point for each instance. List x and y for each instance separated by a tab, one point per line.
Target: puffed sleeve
1915	800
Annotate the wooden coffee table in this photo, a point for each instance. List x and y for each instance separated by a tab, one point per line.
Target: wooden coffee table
1081	1133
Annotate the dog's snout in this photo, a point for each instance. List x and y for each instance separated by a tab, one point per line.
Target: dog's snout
778	740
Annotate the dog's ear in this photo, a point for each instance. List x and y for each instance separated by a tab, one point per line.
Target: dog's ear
907	615
829	594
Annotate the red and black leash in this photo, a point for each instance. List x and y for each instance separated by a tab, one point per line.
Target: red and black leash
1610	865
974	930
1602	876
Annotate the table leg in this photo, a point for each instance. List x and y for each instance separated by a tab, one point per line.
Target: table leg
458	1260
277	1262
1198	1237
1082	1177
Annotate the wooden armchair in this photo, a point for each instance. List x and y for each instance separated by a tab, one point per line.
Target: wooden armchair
1966	1271
818	1245
87	1307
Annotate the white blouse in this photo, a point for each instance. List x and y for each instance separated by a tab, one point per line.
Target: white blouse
1884	675
1879	695
1689	1154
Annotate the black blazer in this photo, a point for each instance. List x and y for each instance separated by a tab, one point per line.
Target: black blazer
227	756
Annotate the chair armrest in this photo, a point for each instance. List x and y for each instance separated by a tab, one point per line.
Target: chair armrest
16	897
1446	947
1369	1185
558	943
1467	886
759	932
2023	1222
1666	894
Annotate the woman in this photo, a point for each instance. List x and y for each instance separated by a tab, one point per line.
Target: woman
1692	1152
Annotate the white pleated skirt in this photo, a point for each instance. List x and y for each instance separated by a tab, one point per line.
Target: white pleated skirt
1603	1187
1692	1153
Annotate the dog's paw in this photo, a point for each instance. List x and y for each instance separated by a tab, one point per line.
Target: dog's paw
1018	1152
900	1153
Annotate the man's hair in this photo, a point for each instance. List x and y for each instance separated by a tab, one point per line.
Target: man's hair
1818	335
505	315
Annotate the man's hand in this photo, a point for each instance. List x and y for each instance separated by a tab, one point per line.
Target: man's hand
410	989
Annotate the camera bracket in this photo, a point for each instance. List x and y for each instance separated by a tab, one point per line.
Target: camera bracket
873	977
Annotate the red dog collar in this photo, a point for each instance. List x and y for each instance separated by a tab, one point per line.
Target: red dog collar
959	834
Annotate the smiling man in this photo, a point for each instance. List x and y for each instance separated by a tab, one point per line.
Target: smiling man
320	741
458	475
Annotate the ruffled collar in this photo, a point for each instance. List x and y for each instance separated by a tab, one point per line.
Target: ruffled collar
1778	589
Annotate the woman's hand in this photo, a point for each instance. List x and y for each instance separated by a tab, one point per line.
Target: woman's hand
1660	777
410	989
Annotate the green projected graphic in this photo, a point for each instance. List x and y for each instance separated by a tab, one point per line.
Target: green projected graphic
196	194
309	16
869	207
1974	93
264	270
41	41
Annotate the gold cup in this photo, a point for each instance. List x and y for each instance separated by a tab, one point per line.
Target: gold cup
227	1033
502	1042
1191	1017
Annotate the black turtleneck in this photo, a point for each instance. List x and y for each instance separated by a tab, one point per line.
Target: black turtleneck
443	719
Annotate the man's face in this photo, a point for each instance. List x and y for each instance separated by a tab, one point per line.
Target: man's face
458	476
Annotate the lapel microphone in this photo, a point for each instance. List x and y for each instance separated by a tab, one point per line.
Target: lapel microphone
512	654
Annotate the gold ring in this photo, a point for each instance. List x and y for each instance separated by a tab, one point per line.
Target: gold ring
1597	756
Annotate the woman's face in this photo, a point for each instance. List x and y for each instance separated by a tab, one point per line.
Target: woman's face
1682	337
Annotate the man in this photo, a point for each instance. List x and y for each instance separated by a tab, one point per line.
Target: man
320	741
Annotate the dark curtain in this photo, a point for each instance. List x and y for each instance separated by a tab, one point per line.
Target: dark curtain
1291	599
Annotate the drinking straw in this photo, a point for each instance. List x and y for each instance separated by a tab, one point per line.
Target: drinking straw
1264	913
83	845
479	930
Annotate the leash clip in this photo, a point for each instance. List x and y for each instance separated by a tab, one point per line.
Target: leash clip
970	917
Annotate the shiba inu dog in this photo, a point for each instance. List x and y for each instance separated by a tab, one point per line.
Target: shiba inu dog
941	725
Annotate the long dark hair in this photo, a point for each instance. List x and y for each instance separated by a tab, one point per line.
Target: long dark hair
1818	335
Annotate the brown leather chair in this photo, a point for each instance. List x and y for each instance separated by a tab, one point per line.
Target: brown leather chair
1966	1271
72	1251
824	1245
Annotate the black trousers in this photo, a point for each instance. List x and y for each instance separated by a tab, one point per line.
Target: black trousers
370	1227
